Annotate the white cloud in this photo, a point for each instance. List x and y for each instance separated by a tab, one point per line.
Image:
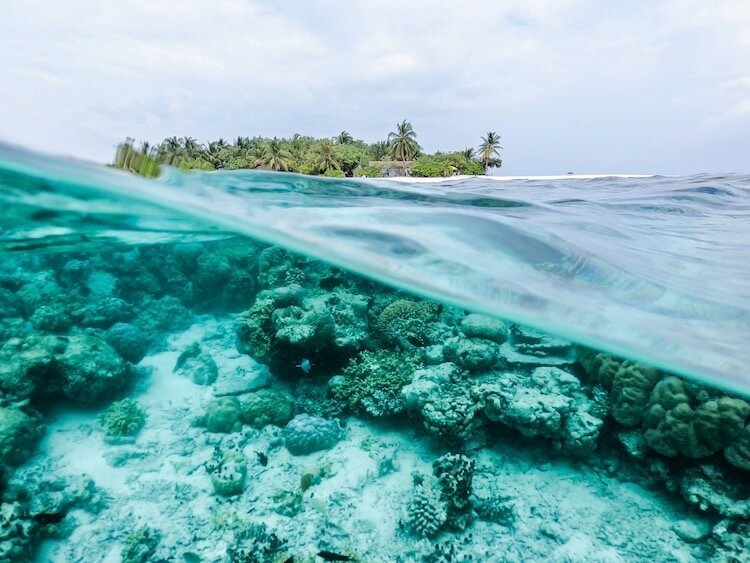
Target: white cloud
571	84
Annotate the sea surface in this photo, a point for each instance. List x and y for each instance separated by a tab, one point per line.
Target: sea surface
654	269
259	367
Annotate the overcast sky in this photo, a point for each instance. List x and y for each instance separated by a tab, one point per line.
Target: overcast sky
570	85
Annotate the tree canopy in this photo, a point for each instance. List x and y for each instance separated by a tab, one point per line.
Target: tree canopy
341	155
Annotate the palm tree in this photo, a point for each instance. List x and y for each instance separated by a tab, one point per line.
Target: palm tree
488	151
403	142
467	153
344	138
213	152
379	150
169	150
324	157
191	147
241	142
276	156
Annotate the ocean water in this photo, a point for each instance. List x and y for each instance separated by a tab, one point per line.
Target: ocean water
256	366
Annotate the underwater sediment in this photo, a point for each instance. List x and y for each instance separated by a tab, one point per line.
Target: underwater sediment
234	401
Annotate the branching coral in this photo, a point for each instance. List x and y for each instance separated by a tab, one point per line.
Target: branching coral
407	323
122	419
373	381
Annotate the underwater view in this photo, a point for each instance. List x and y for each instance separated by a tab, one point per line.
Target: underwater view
259	367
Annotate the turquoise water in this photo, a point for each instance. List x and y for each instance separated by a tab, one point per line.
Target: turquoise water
595	260
254	366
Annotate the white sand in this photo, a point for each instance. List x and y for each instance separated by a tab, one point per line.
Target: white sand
509	178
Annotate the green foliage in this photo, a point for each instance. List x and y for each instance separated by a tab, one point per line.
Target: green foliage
323	156
402	143
351	156
449	164
141	162
306	154
368	172
489	151
334	174
123	419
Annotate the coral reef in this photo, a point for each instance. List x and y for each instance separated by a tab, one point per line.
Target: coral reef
122	420
197	365
266	406
426	512
550	402
129	341
406	323
222	415
454	473
305	434
372	382
228	476
140	545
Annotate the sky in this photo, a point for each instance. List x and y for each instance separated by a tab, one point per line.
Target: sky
586	86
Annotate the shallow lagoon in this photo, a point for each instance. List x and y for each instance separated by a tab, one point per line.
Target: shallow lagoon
175	393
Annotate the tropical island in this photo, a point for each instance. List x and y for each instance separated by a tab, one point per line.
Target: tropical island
339	157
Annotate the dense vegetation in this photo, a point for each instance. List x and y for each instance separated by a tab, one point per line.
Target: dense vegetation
340	156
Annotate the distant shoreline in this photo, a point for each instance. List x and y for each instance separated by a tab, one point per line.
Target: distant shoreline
508	178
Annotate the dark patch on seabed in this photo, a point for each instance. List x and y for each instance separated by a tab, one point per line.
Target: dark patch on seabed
229	401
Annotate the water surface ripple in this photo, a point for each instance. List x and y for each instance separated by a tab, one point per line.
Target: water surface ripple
656	269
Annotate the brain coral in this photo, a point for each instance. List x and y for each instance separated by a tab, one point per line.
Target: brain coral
306	434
